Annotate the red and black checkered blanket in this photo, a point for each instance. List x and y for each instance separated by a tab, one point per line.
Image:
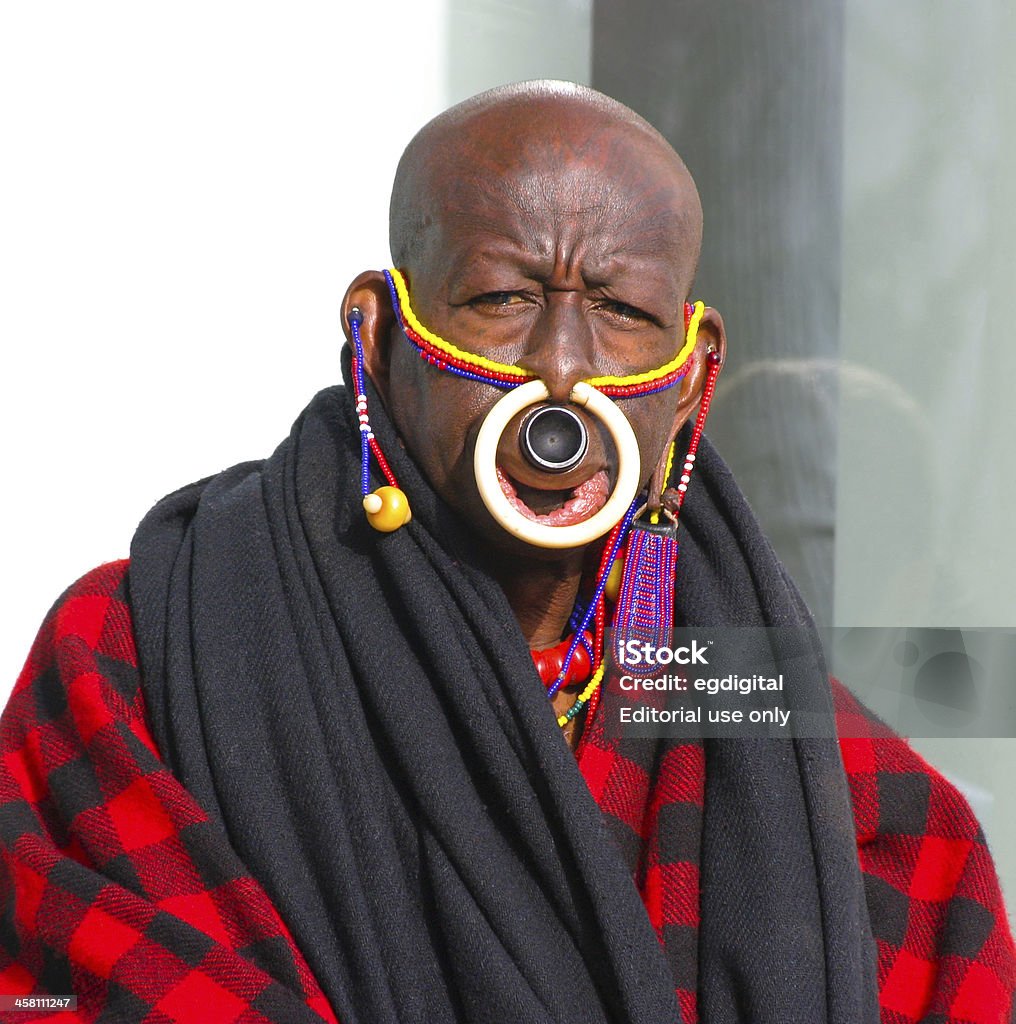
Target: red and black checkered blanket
117	888
945	950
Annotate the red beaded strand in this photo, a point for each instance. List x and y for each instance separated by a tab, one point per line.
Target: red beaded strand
382	462
599	627
442	360
714	360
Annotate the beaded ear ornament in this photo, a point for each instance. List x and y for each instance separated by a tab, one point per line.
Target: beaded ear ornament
643	582
387	508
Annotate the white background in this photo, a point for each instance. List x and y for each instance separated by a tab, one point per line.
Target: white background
186	194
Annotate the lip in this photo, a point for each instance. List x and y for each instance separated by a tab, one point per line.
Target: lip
573	505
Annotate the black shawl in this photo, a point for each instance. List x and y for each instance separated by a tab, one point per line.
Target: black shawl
360	713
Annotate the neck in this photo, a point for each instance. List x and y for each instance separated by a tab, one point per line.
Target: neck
541	593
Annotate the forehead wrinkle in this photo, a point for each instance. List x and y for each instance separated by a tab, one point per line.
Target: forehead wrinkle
566	179
560	195
539	197
534	245
475	230
514	256
547	225
640	277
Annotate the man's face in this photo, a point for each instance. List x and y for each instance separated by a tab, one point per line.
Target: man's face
571	262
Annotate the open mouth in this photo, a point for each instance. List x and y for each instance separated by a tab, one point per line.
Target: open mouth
560	507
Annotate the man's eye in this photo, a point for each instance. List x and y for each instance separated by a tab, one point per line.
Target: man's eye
497	299
624	311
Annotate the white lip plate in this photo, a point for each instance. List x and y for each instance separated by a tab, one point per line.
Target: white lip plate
539	534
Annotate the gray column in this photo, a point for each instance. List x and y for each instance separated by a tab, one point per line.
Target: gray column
750	94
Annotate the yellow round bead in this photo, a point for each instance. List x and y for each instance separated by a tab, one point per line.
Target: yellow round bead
393	511
613	586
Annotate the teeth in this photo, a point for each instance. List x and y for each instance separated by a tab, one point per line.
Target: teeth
585	500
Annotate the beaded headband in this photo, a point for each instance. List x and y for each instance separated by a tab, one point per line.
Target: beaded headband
446	356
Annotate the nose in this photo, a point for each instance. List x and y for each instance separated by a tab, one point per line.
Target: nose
553	438
559	347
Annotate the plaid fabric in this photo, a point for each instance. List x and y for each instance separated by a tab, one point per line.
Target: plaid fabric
654	813
945	951
114	885
117	888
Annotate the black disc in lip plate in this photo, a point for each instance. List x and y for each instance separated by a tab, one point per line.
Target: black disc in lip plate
554	438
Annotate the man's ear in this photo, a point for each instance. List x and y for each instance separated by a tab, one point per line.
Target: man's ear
369	293
711	338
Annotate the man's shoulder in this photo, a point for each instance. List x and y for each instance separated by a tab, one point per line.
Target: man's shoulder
95	610
86	638
82	606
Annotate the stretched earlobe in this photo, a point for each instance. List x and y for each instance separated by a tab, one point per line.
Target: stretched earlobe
368	294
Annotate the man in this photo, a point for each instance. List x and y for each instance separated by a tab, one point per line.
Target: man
294	763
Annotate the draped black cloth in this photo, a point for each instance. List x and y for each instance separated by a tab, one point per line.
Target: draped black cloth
360	713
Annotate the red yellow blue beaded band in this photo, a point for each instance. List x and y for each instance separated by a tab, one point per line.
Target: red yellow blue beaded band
387	508
448	357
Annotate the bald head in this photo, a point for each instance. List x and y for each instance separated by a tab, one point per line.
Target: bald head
547	149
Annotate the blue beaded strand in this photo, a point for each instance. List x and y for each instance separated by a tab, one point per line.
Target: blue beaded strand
355	319
597	594
573	624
